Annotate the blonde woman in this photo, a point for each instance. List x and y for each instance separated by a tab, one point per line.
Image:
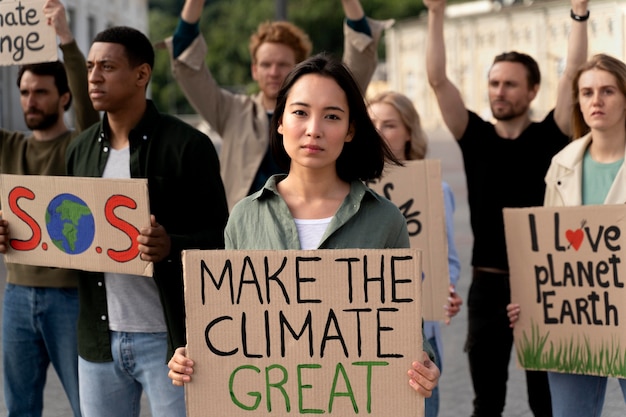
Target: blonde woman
396	119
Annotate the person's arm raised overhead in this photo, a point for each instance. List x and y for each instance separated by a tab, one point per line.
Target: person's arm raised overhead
448	96
188	49
577	48
188	26
353	9
361	37
75	66
192	9
55	14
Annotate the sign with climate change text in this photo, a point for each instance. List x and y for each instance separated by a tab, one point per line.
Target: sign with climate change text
276	333
568	270
73	222
25	36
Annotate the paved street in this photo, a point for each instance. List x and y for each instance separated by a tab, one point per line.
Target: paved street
455	385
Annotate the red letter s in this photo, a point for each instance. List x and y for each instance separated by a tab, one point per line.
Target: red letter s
23	245
131	231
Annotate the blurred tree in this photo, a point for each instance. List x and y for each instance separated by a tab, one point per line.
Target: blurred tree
227	25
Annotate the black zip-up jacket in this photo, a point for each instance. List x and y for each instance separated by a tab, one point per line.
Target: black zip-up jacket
186	196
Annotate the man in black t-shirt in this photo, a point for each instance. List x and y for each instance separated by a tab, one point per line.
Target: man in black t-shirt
505	164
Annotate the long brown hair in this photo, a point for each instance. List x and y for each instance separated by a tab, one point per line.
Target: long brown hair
364	157
602	62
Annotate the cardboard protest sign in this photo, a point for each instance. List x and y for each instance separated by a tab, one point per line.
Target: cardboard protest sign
416	189
301	332
568	276
25	36
79	223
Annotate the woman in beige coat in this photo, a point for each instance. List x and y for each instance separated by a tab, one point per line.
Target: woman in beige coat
590	170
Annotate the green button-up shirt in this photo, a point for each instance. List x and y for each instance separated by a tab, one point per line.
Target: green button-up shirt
365	220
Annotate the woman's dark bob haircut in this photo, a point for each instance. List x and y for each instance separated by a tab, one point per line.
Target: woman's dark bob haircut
364	157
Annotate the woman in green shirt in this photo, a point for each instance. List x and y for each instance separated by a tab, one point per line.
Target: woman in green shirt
322	134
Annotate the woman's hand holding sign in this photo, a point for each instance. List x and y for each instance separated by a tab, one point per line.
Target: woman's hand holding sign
181	367
454	304
513	310
423	377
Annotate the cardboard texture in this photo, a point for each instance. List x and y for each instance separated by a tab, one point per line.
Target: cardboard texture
568	273
416	189
301	332
78	223
25	36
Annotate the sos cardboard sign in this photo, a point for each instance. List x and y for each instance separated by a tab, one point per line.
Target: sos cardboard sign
79	223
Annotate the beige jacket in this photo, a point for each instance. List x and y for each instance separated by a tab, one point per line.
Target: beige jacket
564	177
241	120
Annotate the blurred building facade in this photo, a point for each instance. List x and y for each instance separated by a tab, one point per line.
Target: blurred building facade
476	32
86	19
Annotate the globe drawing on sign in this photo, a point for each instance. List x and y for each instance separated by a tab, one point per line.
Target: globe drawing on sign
70	224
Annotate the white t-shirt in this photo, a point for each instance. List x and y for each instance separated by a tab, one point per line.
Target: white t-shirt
133	301
310	231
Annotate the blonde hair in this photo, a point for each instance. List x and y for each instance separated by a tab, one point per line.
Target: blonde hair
417	146
284	33
602	62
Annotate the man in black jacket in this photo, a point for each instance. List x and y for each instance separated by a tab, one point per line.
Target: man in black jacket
128	326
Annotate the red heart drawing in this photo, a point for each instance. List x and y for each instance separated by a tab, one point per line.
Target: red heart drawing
575	237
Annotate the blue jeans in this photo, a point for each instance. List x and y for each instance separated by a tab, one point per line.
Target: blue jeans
579	395
431	408
114	388
38	328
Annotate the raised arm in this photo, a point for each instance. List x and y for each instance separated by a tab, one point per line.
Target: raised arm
361	37
577	49
54	12
451	104
187	50
192	10
75	65
353	9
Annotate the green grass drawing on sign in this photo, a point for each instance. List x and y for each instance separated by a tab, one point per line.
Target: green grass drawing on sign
571	356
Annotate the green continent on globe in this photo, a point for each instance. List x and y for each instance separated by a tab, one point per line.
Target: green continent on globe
72	211
70	231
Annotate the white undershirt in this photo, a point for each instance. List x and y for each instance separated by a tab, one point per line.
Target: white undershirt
310	231
133	301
